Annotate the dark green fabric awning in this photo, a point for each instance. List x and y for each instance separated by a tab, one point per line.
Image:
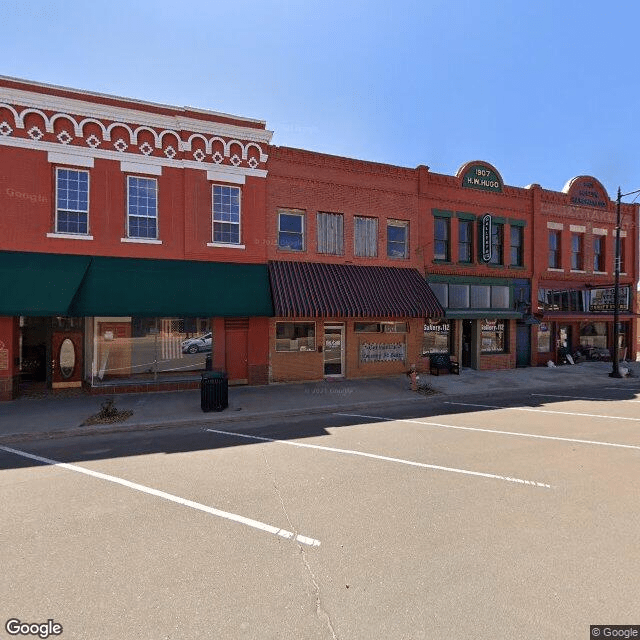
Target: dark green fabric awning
39	284
137	287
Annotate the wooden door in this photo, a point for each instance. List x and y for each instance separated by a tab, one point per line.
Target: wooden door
66	359
236	350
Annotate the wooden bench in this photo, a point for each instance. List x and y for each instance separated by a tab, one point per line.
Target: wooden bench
442	363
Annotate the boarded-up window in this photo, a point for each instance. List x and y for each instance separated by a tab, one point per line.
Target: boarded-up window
330	231
365	237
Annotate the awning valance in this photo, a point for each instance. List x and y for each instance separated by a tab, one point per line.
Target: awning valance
39	284
48	284
311	289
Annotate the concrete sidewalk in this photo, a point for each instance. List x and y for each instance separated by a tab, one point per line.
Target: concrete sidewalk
51	416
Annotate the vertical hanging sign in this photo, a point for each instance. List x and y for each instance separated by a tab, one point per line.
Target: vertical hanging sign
485	237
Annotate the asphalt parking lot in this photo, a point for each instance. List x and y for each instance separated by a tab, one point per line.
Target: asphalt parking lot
509	516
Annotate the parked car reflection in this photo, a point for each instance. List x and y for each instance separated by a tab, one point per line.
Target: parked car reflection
194	345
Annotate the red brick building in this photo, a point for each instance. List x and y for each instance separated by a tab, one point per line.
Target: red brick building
136	238
127	232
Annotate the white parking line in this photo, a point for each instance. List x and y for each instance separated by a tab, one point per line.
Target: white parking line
267	528
562	413
551	395
497	431
385	458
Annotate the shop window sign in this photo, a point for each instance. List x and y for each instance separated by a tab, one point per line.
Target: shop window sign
603	299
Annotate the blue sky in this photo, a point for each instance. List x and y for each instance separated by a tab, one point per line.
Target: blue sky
543	90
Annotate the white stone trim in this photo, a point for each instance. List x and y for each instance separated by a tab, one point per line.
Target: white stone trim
141	240
140	167
40	102
105	154
577	228
623	234
600	232
577	271
600	273
555	225
225	176
222	245
69	236
73	159
554	269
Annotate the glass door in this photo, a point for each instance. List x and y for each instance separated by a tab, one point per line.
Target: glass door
333	349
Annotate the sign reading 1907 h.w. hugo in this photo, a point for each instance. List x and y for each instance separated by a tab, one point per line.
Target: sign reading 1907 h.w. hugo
481	177
485	237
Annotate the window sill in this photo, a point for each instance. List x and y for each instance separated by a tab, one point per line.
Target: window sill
287	250
517	266
141	240
462	263
577	271
601	273
223	245
70	236
555	270
439	261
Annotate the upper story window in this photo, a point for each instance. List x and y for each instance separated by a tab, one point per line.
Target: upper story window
577	251
441	228
226	214
497	243
517	247
554	250
365	237
291	230
330	232
598	253
465	240
72	201
142	207
397	239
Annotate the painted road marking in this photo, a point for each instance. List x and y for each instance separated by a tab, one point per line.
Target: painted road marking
502	433
374	456
551	395
267	528
562	413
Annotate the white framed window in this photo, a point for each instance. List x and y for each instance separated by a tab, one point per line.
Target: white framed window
226	214
291	230
365	237
72	201
397	239
142	207
330	232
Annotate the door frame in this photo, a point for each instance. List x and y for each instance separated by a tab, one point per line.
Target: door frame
333	325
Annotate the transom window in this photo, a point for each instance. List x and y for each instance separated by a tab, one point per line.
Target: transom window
397	239
142	207
365	237
380	327
291	231
441	238
72	201
226	214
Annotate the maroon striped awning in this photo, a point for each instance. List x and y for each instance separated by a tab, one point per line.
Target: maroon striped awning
311	289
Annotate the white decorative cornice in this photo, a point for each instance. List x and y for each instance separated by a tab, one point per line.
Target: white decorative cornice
88	109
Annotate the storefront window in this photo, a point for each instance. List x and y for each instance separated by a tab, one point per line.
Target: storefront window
150	348
494	334
544	338
437	337
295	336
593	334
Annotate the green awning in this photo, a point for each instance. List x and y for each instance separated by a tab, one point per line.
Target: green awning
39	284
165	288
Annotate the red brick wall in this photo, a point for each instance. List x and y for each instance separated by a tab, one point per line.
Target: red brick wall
8	352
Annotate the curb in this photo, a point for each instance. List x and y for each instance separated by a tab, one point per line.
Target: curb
123	427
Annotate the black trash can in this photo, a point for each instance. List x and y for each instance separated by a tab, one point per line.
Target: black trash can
214	391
